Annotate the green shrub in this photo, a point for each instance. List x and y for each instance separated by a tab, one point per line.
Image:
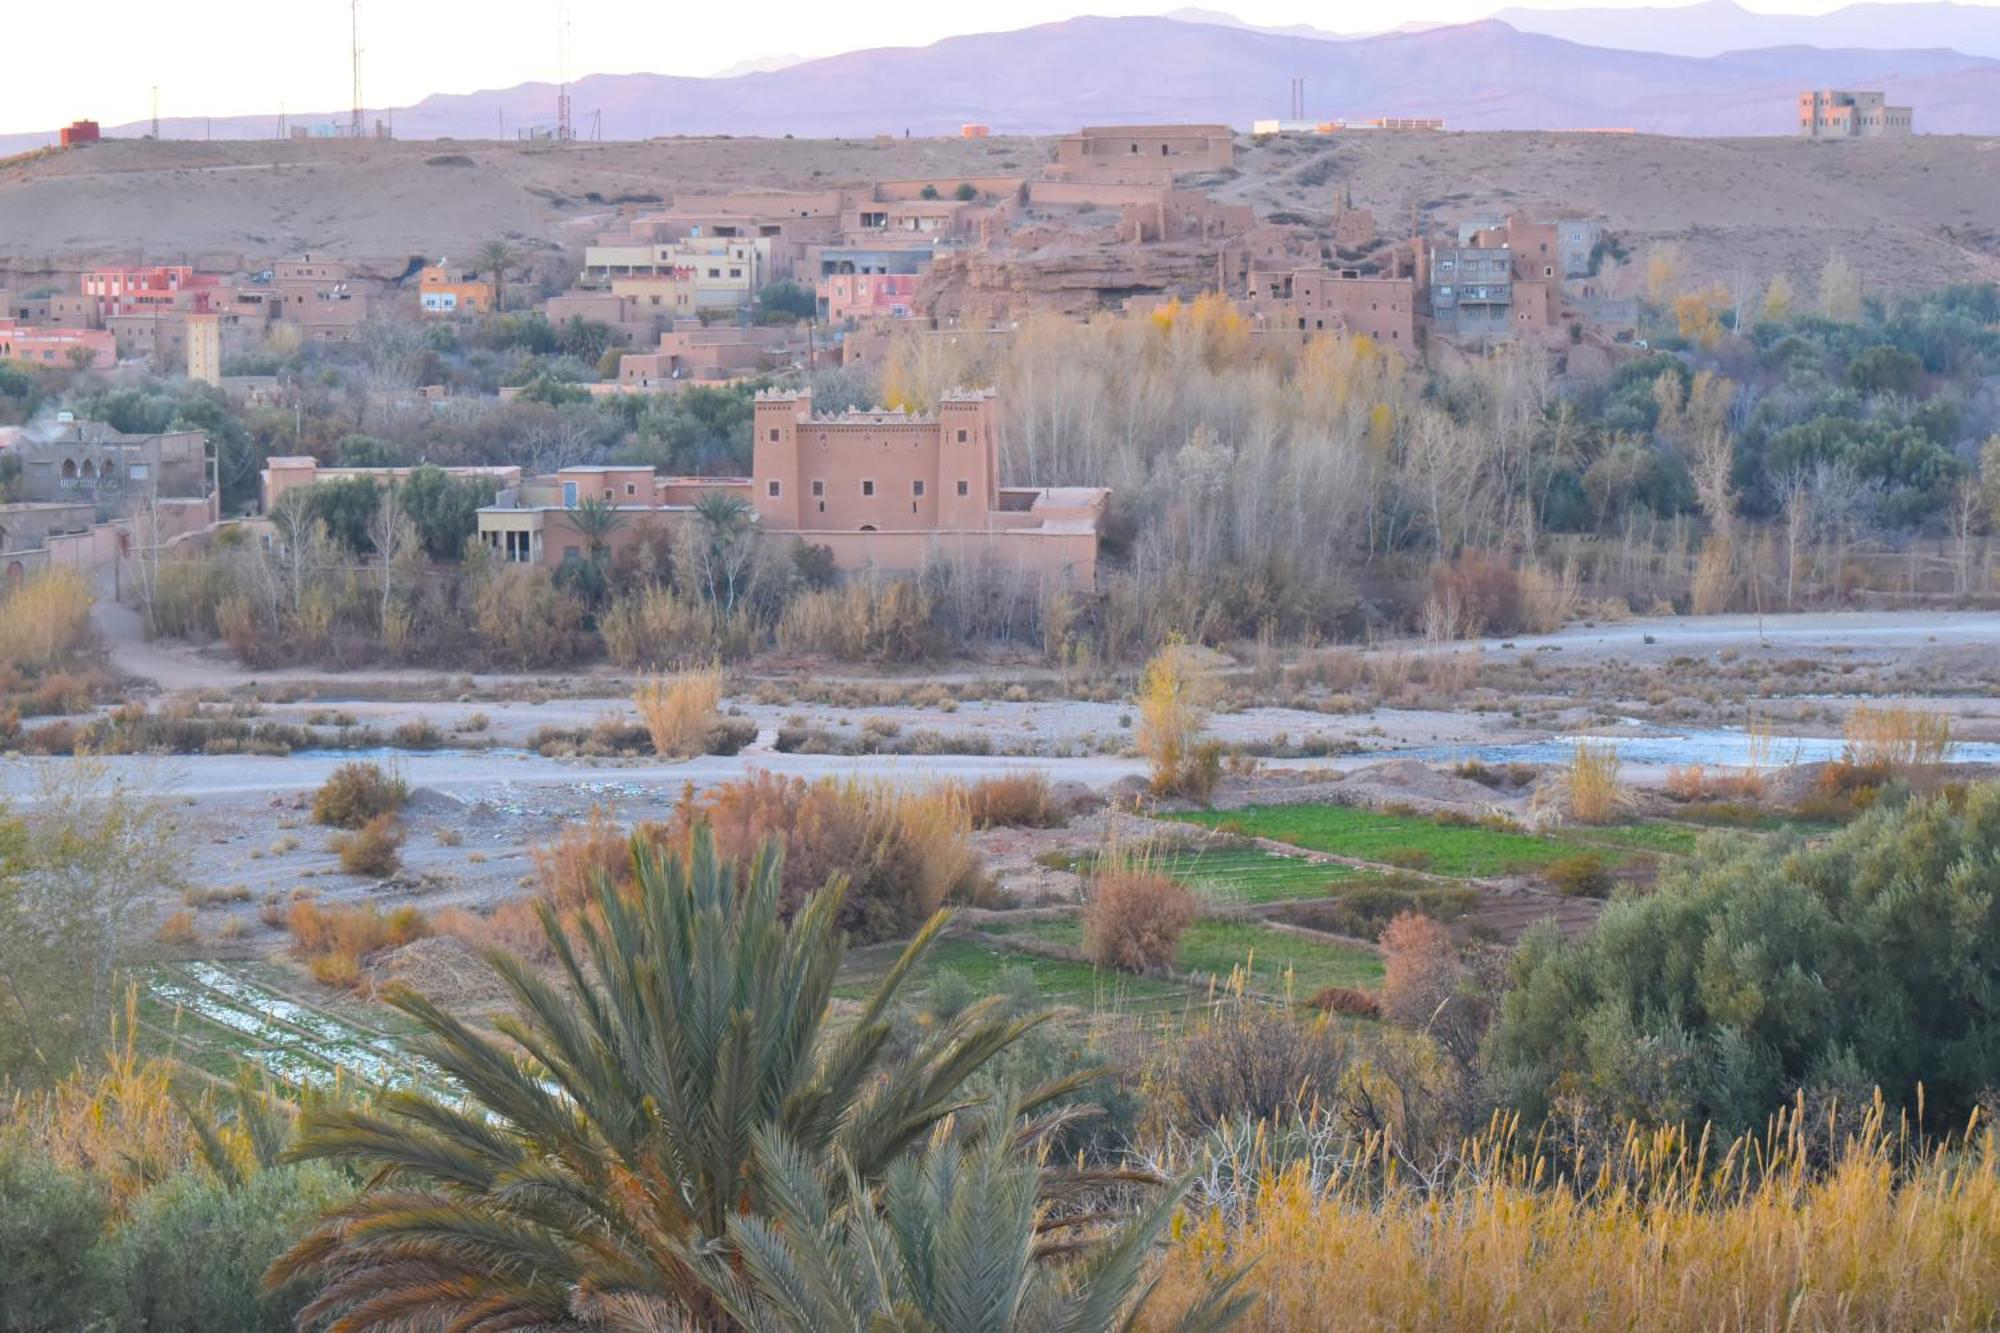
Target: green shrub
1581	876
193	1255
49	1222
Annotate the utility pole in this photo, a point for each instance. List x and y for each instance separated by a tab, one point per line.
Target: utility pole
156	111
354	128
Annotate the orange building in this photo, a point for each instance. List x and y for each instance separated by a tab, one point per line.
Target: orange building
63	348
443	291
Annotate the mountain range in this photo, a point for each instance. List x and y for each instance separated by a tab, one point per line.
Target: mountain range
1479	76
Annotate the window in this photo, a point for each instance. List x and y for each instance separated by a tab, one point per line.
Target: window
916	488
569	495
735	272
965	488
868	488
774	435
631	488
773	489
715	273
607	492
819	489
572	554
962	437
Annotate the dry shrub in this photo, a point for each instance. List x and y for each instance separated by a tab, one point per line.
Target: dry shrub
1135	918
45	619
1548	601
658	629
374	849
1175	693
1897	738
1249	1062
356	793
178	928
569	869
1013	800
1688	1235
680	710
1448	673
1484	588
333	941
1588	790
1420	969
903	853
1347	1002
1695	783
525	620
1714	577
888	620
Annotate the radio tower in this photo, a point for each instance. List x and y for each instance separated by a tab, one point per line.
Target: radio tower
354	47
565	128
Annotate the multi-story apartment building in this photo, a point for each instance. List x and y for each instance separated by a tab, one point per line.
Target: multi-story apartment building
65	349
1839	113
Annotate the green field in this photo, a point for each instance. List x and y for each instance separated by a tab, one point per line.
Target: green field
1243	874
1650	836
1368	835
1277	962
1058	980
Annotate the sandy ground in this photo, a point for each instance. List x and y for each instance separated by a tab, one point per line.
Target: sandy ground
1915	213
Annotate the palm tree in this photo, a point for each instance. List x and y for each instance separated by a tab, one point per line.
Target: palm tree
947	1245
496	257
598	1150
595	520
729	524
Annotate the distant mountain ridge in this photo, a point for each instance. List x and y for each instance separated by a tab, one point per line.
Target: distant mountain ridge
1713	27
1053	77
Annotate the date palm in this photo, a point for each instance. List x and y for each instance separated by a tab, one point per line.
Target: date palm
593	1155
948	1243
496	257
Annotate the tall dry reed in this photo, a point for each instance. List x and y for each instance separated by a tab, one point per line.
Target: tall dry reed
680	710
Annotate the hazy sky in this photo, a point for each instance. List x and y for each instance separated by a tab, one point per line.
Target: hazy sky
236	57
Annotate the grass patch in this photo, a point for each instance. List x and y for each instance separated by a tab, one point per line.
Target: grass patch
1059	981
1218	948
1243	874
1650	836
1391	839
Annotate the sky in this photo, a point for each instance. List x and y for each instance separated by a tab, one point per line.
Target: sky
241	57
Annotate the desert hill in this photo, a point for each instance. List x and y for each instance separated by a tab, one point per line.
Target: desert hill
1920	212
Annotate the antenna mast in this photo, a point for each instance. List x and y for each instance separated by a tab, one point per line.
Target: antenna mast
565	128
354	47
156	111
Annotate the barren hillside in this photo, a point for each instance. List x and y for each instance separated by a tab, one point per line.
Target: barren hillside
1920	212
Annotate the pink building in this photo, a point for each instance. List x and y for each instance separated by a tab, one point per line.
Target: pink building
138	290
858	296
61	348
288	472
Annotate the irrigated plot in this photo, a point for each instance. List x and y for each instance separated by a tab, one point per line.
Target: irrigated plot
1243	874
1058	981
1408	841
215	1017
1270	961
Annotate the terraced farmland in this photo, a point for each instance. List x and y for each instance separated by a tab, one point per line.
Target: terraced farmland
1398	840
1270	961
1248	875
214	1017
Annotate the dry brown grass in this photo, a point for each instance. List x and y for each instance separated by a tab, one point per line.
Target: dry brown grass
45	619
334	941
1897	738
680	710
1587	791
357	792
903	853
374	849
1677	1235
1134	919
1548	601
569	868
179	928
1013	800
